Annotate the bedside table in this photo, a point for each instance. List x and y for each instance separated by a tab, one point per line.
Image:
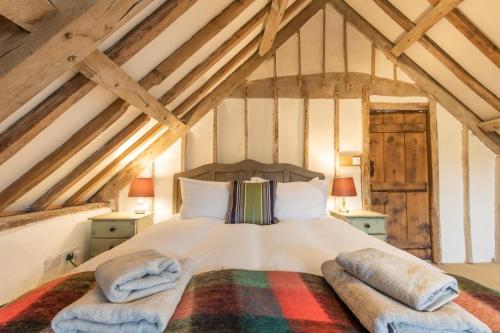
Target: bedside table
109	230
372	223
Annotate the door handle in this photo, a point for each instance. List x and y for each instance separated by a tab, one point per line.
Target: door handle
372	168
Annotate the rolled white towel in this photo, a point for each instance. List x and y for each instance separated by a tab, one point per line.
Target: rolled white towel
93	313
137	275
420	287
379	313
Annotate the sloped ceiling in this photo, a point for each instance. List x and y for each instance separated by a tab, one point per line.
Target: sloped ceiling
198	16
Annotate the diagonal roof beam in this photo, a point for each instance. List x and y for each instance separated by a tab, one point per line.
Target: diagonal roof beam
25	14
424	24
272	25
56	45
227	68
103	71
473	34
108	170
89	164
58	157
490	125
421	78
123	177
30	125
441	55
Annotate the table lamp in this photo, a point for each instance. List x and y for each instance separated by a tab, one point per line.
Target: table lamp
343	187
141	188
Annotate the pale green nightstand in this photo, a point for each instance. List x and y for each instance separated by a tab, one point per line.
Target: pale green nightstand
372	223
109	230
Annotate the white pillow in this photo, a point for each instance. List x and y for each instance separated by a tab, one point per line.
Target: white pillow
301	200
204	198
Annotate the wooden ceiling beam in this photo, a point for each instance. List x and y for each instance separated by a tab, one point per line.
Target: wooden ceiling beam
49	197
58	157
197	41
30	125
424	24
473	34
330	85
56	45
107	74
441	55
79	196
22	219
26	13
238	76
421	78
183	107
215	56
124	176
490	125
272	25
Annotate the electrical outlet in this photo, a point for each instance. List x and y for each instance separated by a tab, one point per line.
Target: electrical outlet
49	264
61	258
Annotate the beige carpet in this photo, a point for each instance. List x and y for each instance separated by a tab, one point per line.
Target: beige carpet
486	274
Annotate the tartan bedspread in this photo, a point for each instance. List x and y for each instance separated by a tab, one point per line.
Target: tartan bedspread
236	301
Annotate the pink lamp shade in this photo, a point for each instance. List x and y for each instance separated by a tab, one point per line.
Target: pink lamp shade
142	188
343	187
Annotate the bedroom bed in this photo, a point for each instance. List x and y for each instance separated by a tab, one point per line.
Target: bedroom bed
248	277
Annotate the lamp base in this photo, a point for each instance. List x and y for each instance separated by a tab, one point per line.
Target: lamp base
141	206
343	208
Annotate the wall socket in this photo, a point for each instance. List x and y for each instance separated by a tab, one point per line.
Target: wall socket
52	262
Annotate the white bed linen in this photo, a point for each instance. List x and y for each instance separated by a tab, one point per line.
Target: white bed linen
290	245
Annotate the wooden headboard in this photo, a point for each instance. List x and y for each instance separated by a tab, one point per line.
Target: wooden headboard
243	170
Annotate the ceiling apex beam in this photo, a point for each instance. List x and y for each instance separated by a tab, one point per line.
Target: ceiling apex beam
272	25
421	78
473	34
107	74
441	55
424	24
490	125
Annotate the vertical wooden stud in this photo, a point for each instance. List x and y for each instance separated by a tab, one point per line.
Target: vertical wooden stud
336	127
395	74
323	67
466	194
300	60
183	152
275	115
365	155
373	63
214	137
497	209
245	125
344	46
433	161
306	132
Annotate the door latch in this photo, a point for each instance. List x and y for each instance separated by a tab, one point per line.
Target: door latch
372	168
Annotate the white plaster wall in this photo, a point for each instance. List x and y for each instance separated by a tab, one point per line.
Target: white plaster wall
321	149
260	129
290	129
482	200
199	142
230	131
450	187
24	250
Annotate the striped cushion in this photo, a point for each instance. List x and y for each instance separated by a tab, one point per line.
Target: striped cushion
252	202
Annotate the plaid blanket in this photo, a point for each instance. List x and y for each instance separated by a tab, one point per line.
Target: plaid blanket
236	301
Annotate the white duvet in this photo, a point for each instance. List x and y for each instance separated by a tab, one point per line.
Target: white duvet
290	245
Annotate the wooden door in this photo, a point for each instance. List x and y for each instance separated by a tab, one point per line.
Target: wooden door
399	177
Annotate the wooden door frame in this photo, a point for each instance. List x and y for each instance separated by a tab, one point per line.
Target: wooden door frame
432	160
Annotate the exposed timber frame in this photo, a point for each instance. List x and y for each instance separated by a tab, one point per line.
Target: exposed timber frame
30	125
56	45
225	88
425	23
441	55
473	34
466	195
421	78
19	220
272	24
365	150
